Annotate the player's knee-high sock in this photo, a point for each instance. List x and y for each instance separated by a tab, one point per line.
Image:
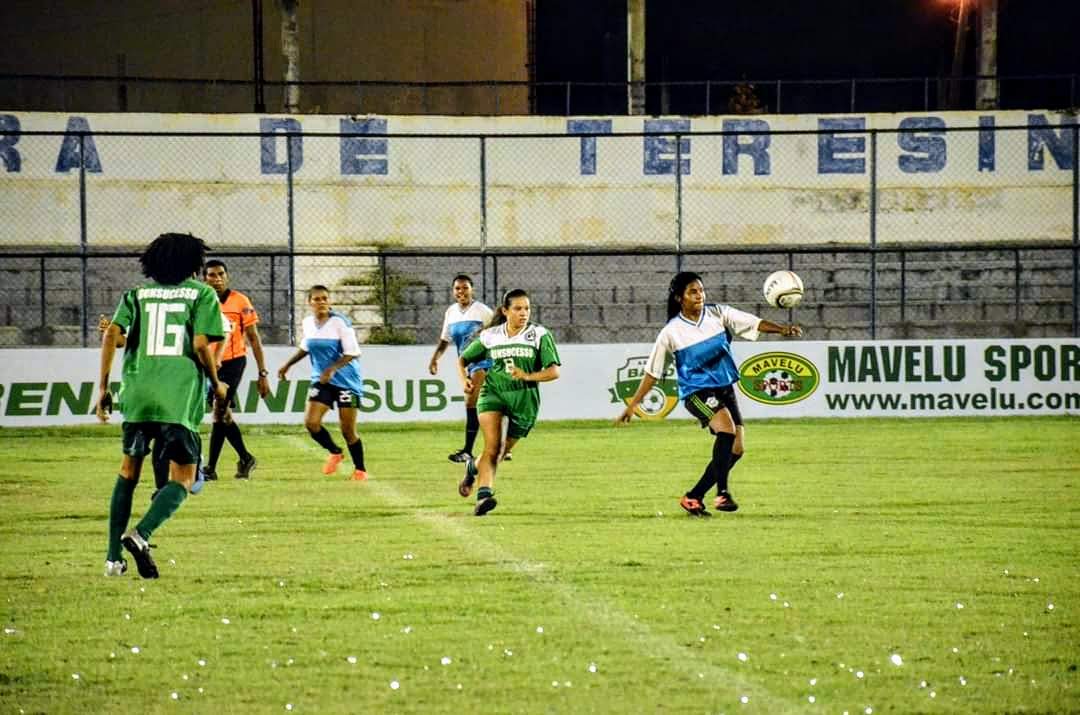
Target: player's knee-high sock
356	451
164	505
232	433
160	464
119	513
217	441
721	459
472	427
324	440
708	478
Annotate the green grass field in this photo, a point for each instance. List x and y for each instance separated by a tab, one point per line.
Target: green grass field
875	566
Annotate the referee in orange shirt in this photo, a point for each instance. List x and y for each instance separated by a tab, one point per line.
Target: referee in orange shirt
241	319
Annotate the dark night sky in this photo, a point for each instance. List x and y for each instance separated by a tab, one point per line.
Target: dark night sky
690	40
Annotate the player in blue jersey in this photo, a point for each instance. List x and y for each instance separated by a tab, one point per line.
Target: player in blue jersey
698	335
329	338
463	321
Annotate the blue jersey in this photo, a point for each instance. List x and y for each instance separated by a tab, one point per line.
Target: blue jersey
702	350
326	343
461	325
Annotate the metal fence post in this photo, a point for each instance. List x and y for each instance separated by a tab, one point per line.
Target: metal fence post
84	242
483	216
1016	285
708	97
289	197
903	286
568	99
385	289
873	234
778	96
272	321
1076	226
570	285
41	284
678	198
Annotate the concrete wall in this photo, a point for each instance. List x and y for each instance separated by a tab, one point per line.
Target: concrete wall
446	40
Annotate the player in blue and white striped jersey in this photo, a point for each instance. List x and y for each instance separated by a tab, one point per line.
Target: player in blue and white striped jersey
464	319
330	340
698	336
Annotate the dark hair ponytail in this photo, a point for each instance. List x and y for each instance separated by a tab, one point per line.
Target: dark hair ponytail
508	297
676	289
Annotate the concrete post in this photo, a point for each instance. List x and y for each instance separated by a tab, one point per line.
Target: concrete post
986	90
635	56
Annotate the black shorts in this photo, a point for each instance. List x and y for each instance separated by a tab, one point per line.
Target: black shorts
173	442
704	404
332	395
230	372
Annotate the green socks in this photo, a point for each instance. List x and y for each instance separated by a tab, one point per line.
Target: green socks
168	500
119	513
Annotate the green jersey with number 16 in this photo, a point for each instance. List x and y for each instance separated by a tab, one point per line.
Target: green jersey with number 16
162	378
532	350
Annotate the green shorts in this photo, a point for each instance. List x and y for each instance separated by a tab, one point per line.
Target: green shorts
521	406
175	442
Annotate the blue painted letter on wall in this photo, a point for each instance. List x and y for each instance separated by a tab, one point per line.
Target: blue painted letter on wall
931	144
757	148
294	152
588	144
68	158
660	151
9	137
830	145
354	150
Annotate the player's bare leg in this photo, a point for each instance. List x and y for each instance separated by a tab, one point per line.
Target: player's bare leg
491	426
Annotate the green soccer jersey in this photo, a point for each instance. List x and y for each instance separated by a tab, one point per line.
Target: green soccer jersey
162	378
532	350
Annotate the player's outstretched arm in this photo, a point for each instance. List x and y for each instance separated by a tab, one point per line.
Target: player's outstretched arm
647	383
297	357
788	331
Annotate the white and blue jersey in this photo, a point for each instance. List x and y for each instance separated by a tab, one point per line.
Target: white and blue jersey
702	350
461	325
326	343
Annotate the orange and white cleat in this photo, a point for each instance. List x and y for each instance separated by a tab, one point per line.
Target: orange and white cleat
332	463
359	476
693	507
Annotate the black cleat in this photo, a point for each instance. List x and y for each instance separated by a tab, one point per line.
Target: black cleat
460	456
465	486
725	502
136	545
485	505
245	467
209	474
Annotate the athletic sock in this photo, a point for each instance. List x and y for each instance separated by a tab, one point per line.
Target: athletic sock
483	493
168	500
708	478
472	427
160	464
356	451
324	440
217	441
119	513
232	433
721	459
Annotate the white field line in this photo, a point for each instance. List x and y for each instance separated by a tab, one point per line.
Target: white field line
664	650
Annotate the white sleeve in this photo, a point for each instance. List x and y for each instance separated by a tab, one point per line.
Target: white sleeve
349	345
304	336
739	322
445	334
658	357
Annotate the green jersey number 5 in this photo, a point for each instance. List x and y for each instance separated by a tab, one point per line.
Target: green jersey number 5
163	339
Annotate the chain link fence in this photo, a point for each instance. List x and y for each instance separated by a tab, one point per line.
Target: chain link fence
593	225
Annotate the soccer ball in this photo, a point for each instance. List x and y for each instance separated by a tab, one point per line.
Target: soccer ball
783	289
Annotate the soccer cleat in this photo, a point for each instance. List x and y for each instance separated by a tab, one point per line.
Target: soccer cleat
465	486
136	545
359	476
725	502
196	486
508	457
485	505
245	467
460	456
208	474
692	506
332	463
115	568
